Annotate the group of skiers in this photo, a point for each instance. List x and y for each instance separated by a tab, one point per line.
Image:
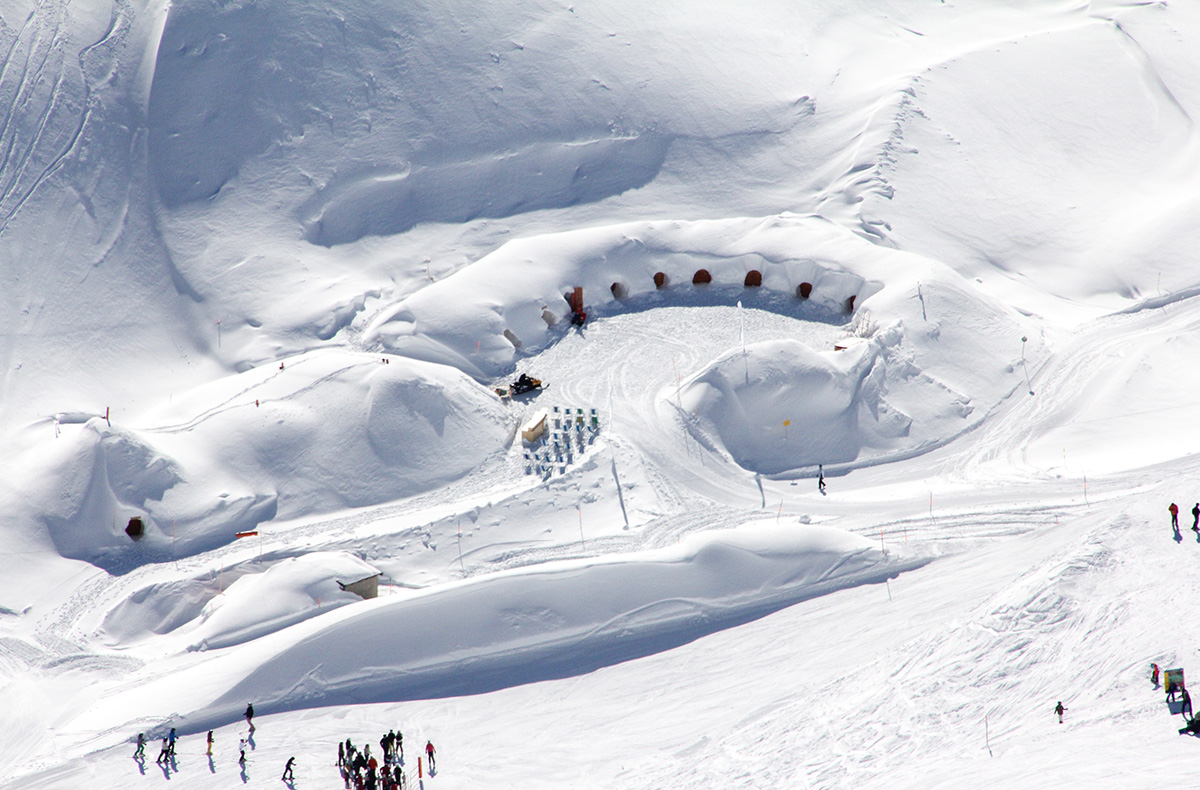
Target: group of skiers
361	771
166	756
1174	511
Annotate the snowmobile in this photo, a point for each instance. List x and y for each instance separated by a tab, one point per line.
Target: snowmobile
522	385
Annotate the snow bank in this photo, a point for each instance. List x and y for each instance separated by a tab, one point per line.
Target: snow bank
237	605
833	402
286	593
520	288
556	619
321	431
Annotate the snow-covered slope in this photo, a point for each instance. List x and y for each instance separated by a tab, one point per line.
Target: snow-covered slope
263	263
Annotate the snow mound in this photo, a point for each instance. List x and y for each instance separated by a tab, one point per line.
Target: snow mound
287	593
322	431
556	619
832	401
510	304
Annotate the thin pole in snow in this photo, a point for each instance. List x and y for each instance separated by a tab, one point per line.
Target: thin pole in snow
582	542
780	513
745	357
881	546
742	330
987	736
921	296
218	334
1085	499
1025	367
460	559
888	584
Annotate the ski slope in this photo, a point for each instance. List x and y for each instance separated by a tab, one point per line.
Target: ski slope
263	264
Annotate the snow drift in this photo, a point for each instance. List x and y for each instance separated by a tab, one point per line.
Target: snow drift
556	619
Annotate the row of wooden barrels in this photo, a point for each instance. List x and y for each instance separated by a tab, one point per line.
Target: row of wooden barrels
704	277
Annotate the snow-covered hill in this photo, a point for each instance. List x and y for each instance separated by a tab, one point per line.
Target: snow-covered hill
262	265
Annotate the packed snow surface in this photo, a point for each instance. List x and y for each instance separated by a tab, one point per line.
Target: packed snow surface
264	264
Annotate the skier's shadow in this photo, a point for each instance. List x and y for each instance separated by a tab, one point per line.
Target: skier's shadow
141	764
250	740
1178	536
245	776
212	769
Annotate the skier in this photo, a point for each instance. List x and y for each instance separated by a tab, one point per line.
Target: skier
210	743
1186	710
140	752
821	478
171	743
1196	517
429	754
341	754
400	744
250	715
1154	674
242	751
287	770
163	753
1059	710
1193	726
1174	515
1170	690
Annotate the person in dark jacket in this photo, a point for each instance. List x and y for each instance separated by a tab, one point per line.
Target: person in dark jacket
1186	709
287	770
250	715
141	747
1196	517
1059	709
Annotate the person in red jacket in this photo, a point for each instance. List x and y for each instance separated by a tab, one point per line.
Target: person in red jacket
429	754
1174	515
